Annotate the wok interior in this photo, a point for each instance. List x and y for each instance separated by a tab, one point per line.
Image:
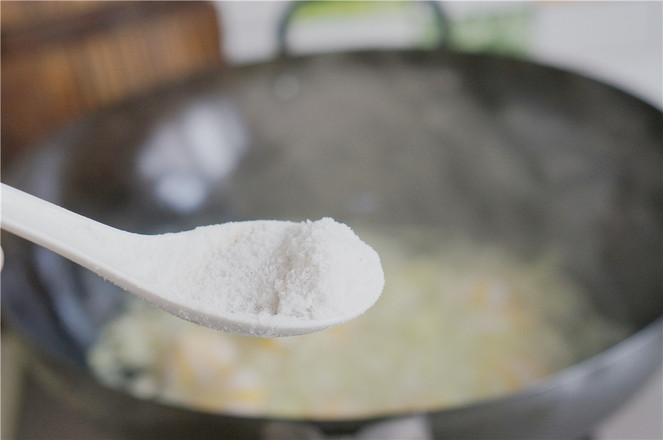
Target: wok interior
478	148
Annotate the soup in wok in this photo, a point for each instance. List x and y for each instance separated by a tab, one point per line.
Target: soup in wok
456	323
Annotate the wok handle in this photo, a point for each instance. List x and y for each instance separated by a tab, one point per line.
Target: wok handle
290	15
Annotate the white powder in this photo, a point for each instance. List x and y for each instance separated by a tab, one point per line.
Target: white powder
314	270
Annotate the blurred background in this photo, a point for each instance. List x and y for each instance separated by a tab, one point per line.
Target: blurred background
64	60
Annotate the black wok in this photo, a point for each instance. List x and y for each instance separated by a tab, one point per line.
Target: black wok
478	146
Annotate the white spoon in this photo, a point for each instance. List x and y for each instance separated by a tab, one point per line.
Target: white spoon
259	287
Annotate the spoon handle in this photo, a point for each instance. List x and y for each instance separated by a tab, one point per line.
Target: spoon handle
78	238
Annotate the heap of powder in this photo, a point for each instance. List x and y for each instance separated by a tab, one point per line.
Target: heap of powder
313	270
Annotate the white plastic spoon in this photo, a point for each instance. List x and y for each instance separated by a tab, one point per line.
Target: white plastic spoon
257	278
